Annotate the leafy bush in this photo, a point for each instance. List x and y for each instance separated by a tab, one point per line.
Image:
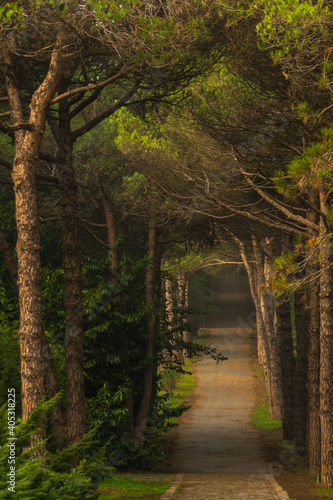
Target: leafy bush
51	476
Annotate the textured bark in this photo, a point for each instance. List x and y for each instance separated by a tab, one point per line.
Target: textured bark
75	401
58	416
51	377
313	413
326	355
267	308
145	403
301	374
27	146
110	223
180	305
263	347
187	333
283	330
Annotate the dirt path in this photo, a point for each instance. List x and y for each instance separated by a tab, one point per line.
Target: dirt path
216	445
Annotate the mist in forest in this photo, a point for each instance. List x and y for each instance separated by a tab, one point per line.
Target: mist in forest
223	300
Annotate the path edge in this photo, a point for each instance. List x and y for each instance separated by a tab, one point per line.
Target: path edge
172	490
279	491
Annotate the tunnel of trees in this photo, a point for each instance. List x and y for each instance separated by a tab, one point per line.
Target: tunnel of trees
142	142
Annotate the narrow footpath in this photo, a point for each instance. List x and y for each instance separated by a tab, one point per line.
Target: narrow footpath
217	453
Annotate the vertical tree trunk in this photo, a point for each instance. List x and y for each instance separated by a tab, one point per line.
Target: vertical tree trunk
313	438
110	223
301	374
267	308
313	413
326	353
179	307
75	400
27	145
51	377
187	333
263	346
146	399
283	330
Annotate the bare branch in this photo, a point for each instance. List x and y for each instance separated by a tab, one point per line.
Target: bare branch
108	112
88	88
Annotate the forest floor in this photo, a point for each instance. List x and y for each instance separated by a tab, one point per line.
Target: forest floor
216	446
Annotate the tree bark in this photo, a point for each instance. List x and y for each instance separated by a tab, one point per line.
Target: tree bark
267	308
284	337
326	353
313	413
301	373
179	307
27	146
146	399
110	223
187	333
75	399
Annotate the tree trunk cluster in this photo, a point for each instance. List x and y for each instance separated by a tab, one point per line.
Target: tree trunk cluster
295	349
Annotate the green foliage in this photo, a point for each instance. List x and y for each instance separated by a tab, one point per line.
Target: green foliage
285	23
9	363
11	14
309	171
52	478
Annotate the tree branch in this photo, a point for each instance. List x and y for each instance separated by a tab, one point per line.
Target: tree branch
88	88
276	204
108	112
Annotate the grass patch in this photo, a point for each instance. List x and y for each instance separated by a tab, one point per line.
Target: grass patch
203	334
260	416
261	420
123	487
183	388
324	491
180	386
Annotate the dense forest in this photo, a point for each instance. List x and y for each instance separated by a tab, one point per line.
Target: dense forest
142	142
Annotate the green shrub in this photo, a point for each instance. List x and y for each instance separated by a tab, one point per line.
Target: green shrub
51	477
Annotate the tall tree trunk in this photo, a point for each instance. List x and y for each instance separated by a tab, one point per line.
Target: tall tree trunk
301	373
179	315
283	330
326	353
110	223
75	400
267	308
51	377
263	347
187	333
313	438
313	413
145	404
27	145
